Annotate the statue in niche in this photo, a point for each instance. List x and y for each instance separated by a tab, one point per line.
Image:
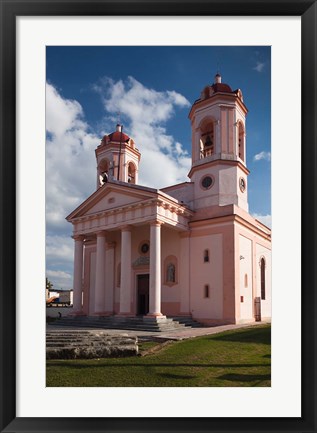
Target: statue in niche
170	273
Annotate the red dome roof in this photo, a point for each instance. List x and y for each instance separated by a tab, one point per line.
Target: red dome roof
116	136
221	87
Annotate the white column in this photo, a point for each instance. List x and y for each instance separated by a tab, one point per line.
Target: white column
78	273
155	270
125	286
100	272
109	277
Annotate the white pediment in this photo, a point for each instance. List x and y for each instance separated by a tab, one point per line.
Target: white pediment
110	197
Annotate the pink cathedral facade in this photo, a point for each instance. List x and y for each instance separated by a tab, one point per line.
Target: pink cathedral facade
190	249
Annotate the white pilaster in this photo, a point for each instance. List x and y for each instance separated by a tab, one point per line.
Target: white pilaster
109	277
217	145
125	287
100	273
155	270
78	273
184	273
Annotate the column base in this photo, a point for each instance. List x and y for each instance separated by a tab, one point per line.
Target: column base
155	315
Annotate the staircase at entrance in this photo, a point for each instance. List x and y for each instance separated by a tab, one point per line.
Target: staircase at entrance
141	323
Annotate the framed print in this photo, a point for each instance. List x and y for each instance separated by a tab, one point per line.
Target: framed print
33	34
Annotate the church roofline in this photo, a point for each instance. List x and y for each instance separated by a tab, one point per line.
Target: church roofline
176	185
154	194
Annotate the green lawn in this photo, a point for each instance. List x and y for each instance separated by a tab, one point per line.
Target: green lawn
233	358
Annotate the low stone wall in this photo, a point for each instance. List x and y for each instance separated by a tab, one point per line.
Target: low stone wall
52	312
62	344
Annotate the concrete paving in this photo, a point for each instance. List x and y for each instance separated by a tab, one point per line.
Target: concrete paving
171	335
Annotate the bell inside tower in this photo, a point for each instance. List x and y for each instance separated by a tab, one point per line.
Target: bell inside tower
207	143
131	172
103	171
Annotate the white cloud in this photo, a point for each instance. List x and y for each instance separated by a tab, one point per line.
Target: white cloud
62	115
262	155
59	259
146	111
265	219
70	160
59	279
59	248
259	67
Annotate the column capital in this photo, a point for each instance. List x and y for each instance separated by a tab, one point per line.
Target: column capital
110	245
156	223
101	234
78	237
126	228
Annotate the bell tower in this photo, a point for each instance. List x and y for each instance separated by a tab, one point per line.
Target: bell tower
219	169
117	158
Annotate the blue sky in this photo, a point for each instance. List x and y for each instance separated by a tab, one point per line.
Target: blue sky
153	88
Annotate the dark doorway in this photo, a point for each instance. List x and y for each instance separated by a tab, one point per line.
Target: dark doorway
143	294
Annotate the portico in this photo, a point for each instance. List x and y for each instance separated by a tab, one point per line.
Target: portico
108	249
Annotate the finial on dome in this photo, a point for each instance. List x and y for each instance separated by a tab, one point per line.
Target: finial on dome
217	78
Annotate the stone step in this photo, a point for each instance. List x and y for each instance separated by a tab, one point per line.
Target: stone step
187	321
128	323
105	325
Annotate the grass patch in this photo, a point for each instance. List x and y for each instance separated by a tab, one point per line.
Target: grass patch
147	346
233	358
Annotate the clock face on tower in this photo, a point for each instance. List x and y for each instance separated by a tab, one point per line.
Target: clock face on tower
242	184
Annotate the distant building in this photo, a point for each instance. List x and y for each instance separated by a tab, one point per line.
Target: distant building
187	249
59	297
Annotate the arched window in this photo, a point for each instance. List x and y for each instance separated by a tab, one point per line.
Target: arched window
262	266
131	172
206	256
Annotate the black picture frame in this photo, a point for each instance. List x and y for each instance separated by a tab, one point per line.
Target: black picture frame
10	9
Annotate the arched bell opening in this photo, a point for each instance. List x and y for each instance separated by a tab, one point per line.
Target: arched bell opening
103	171
131	173
207	139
